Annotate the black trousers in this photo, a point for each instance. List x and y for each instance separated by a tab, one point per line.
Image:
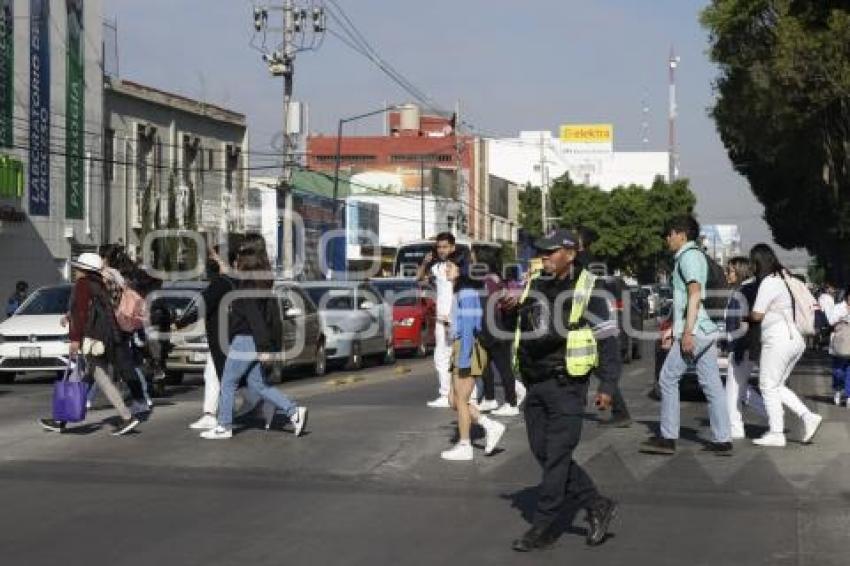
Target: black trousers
619	407
500	362
553	417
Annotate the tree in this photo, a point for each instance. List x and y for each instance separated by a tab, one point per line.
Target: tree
629	220
529	211
783	113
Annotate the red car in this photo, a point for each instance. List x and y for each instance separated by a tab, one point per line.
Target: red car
414	313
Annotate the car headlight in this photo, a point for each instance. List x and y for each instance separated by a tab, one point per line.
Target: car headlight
405	322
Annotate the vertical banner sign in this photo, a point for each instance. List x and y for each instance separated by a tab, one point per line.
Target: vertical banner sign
7	72
39	154
74	113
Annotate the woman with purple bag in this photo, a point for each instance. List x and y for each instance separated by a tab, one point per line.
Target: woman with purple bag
94	334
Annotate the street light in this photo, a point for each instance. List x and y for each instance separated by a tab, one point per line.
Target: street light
338	156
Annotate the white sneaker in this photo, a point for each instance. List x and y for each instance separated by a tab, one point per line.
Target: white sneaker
811	424
836	398
771	439
299	420
458	453
217	433
487	406
494	431
204	423
88	405
506	411
441	402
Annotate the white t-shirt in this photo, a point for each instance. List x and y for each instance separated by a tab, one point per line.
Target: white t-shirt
774	300
827	304
445	295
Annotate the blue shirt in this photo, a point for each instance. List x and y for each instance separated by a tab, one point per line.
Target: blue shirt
693	266
467	316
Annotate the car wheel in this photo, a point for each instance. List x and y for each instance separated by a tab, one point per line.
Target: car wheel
320	366
173	377
355	359
7	377
389	355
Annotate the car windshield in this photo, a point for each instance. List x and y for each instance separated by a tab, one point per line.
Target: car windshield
51	300
332	298
398	293
176	300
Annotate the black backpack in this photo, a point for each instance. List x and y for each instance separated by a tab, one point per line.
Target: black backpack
100	323
716	287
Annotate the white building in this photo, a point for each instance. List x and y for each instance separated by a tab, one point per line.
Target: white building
721	241
400	217
519	160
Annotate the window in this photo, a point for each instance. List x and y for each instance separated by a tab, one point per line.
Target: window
343	158
419	157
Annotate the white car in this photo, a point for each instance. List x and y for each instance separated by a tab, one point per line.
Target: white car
33	339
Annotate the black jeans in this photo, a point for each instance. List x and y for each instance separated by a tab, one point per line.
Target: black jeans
500	353
619	407
553	417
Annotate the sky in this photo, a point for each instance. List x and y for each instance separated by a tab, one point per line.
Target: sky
510	65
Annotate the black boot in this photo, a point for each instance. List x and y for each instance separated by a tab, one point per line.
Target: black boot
599	516
537	538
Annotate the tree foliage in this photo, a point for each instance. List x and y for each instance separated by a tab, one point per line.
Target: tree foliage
530	214
629	220
783	113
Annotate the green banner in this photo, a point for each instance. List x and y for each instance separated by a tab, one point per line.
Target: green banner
7	72
75	114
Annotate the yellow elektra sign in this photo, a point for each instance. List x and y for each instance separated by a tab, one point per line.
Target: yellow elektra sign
587	133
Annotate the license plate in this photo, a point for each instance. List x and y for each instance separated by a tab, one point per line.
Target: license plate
199	356
29	353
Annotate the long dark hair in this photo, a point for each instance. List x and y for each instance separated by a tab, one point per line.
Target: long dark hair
764	262
464	280
253	258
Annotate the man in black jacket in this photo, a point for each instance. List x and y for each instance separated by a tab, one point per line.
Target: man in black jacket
556	399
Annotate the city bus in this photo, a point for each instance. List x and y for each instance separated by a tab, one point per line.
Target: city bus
409	255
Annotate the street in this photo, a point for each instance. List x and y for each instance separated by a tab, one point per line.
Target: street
366	485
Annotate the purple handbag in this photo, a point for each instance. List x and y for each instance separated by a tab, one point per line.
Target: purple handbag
69	396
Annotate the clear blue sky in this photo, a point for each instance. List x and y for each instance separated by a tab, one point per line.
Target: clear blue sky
512	65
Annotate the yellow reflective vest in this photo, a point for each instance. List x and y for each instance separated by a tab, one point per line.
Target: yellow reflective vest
581	354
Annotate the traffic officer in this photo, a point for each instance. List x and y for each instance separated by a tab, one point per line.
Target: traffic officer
564	331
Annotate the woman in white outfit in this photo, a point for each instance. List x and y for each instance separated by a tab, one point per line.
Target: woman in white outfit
782	346
742	343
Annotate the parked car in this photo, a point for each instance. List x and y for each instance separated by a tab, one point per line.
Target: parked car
640	297
414	314
33	339
628	322
189	348
356	321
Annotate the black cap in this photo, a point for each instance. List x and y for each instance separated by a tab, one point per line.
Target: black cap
561	238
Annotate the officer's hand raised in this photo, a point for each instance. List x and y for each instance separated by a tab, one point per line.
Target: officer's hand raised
603	401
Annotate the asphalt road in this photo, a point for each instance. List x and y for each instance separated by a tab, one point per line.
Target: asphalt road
366	485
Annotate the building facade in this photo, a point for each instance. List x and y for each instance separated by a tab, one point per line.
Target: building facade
537	158
171	162
51	141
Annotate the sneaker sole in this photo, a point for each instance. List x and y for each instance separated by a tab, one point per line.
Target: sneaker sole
49	428
127	429
605	526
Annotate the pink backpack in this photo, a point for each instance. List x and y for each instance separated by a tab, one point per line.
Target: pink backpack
805	304
131	311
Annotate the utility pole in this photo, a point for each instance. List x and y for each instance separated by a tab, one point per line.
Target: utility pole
422	194
544	188
673	172
296	35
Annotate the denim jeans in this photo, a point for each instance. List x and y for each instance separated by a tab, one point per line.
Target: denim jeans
841	375
708	373
242	361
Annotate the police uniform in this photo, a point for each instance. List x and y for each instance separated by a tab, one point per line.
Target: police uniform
558	384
